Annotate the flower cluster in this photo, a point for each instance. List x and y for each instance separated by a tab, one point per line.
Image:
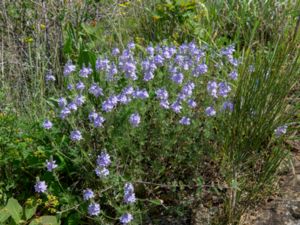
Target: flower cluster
103	161
173	80
185	65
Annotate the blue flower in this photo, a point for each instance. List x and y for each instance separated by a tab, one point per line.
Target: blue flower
102	172
228	106
164	104
200	69
210	111
51	165
126	218
69	68
40	187
212	88
176	107
129	195
103	160
96	90
279	131
177	78
65	112
224	89
233	75
47	124
79	100
192	103
62	102
185	121
85	71
135	119
76	135
80	86
162	94
88	194
94	209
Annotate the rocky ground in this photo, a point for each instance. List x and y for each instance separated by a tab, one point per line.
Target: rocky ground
285	208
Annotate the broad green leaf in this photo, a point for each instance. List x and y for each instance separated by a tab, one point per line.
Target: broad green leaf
30	211
4	215
45	220
14	209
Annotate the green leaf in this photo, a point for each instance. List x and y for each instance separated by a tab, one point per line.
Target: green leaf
4	215
14	209
155	201
45	220
30	211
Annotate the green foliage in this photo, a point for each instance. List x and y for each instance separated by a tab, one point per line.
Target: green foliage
172	167
15	211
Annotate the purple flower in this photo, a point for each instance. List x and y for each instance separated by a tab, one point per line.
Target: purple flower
185	121
150	50
94	209
142	94
187	91
62	102
126	218
102	64
40	187
162	94
80	86
228	106
109	104
85	72
176	107
102	172
128	90
103	160
177	78
115	51
131	45
76	135
233	75
111	72
210	111
135	119
70	87
92	116
49	77
51	165
212	88
192	103
88	194
129	195
233	61
47	124
129	68
96	90
158	60
98	122
200	69
69	68
149	75
164	104
280	130
72	106
224	89
65	112
79	100
228	51
123	99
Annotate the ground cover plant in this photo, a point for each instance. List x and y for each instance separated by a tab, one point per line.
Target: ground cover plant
141	122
